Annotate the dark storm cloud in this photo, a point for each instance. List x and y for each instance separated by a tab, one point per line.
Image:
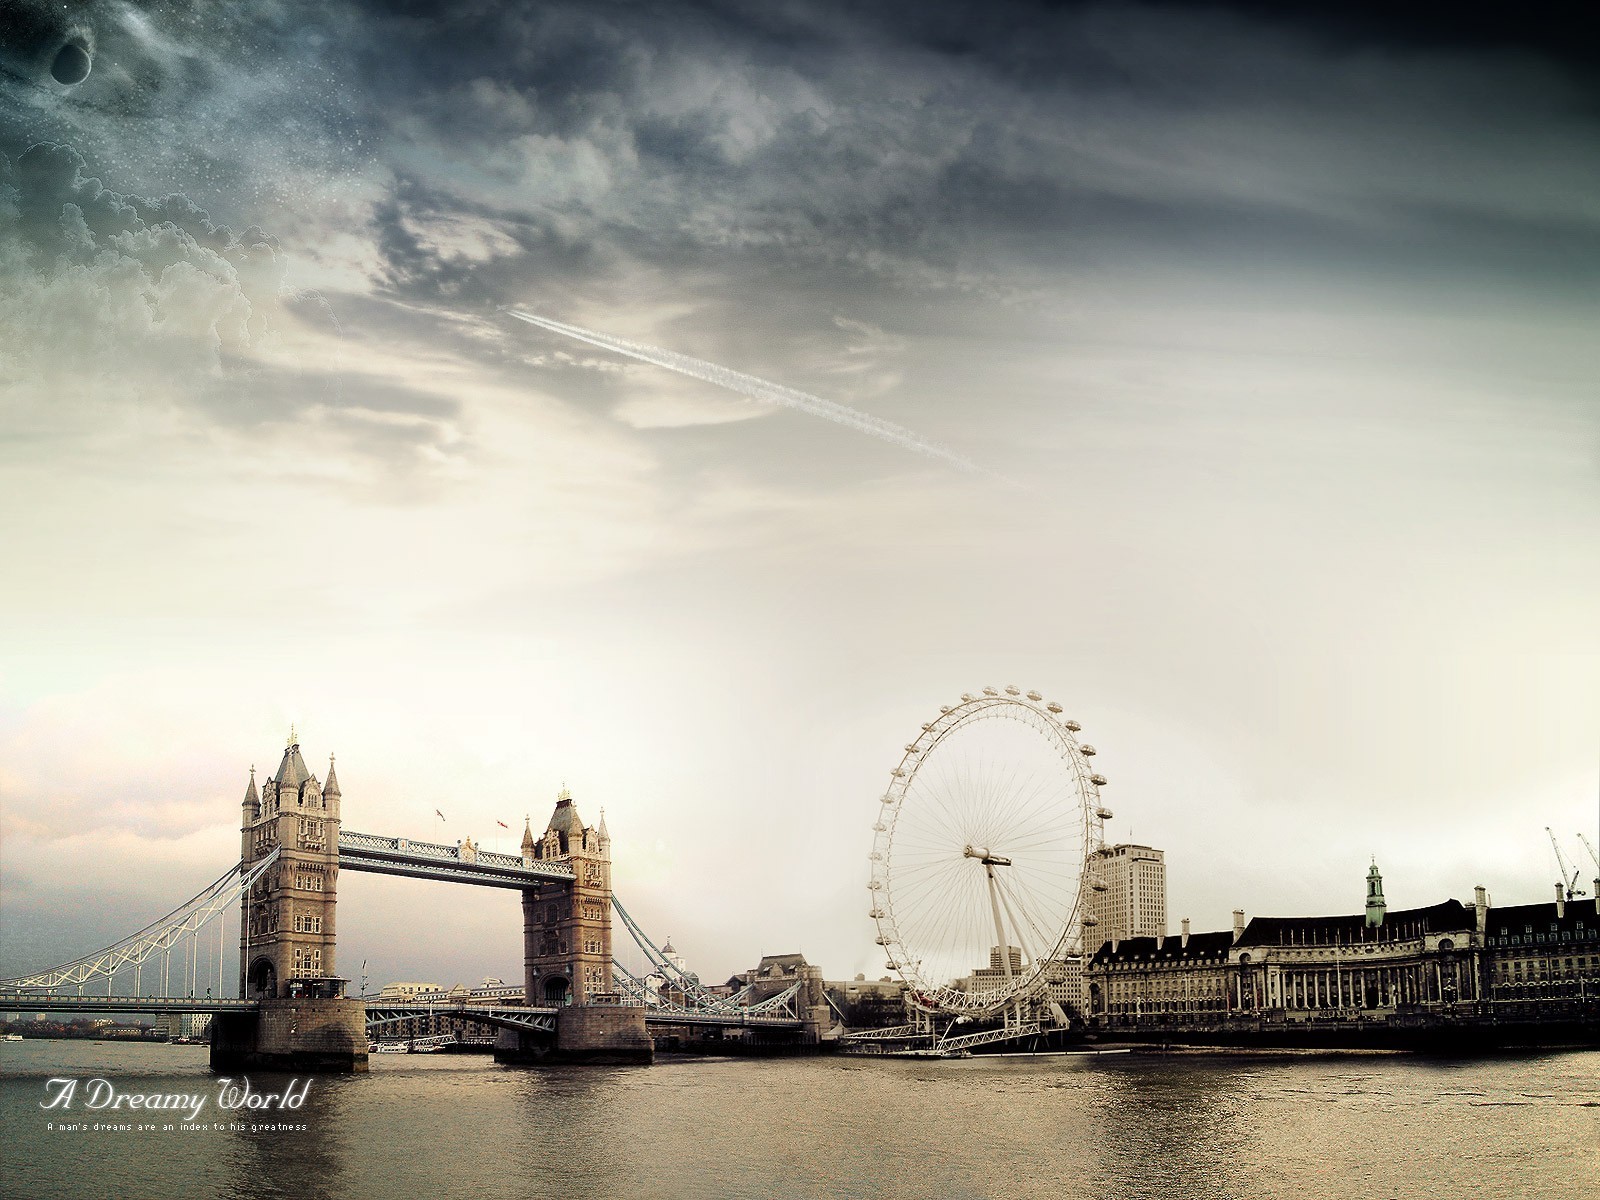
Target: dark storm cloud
489	153
147	299
933	146
906	142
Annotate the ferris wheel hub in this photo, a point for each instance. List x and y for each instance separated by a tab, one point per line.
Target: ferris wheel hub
983	855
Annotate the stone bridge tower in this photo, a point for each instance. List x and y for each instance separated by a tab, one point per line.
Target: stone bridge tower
286	939
566	928
302	1020
566	951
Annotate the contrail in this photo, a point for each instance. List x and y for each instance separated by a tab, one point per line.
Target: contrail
755	389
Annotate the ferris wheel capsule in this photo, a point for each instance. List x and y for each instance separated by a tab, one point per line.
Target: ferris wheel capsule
1035	697
1087	749
1072	725
1098	780
990	692
1012	690
1053	707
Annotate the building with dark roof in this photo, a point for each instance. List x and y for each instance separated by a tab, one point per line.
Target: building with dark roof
1447	964
1540	955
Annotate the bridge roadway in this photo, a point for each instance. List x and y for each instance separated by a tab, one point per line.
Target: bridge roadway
433	860
511	1015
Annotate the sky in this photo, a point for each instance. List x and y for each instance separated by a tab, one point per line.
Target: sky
1255	345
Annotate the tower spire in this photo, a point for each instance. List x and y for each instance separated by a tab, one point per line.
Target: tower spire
1375	902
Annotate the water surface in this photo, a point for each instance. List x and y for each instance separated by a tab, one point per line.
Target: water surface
1310	1127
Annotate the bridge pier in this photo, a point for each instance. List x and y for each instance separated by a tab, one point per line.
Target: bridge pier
295	1035
585	1033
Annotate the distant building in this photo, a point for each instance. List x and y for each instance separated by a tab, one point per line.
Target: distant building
1541	953
195	1025
1126	896
863	1003
994	976
1413	968
407	990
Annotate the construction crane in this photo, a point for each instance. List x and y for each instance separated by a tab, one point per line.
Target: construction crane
1571	886
1589	846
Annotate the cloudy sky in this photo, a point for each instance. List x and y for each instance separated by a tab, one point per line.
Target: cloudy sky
1270	330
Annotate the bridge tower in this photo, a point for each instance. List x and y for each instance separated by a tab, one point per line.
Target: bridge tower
566	929
566	951
286	937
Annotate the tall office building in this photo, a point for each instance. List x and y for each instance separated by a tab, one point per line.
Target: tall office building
1126	894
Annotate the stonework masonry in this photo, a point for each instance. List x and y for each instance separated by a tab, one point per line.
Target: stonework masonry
292	1035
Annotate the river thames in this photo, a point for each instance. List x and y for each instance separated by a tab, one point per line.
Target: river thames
1303	1126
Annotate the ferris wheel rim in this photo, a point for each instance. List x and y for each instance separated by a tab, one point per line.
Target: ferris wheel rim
1047	719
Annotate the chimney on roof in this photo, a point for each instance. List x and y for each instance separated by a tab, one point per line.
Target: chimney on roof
1185	942
1480	903
1561	901
1238	924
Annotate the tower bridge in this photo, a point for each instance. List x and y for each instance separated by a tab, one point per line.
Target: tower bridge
292	1013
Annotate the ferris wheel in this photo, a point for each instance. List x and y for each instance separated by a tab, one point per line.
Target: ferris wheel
979	852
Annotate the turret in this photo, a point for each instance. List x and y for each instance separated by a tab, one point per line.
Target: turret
330	790
250	813
528	843
1375	903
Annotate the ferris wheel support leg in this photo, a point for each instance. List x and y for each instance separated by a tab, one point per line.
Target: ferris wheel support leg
999	928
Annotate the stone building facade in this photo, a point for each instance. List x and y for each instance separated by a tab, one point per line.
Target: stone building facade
566	928
1447	963
287	931
1541	955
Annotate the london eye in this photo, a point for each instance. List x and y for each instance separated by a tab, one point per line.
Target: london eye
979	852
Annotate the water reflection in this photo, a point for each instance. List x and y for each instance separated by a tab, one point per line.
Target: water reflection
1316	1128
260	1160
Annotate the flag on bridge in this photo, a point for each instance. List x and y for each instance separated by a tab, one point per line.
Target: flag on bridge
502	825
438	814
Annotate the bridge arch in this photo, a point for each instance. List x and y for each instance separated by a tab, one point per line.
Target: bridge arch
555	989
263	979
